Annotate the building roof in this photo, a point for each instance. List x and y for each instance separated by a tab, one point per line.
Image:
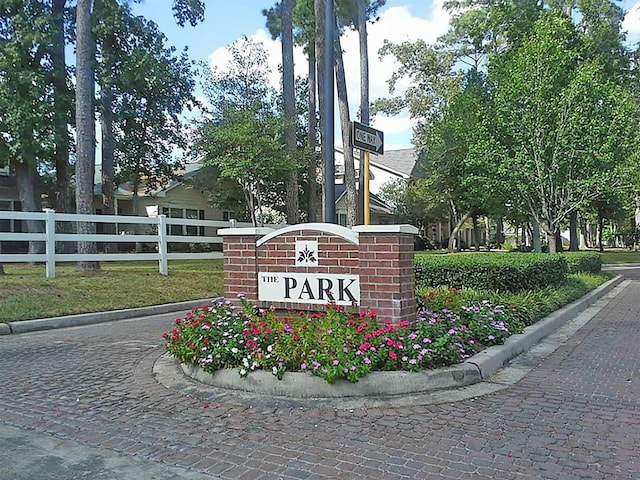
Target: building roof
403	161
375	202
125	189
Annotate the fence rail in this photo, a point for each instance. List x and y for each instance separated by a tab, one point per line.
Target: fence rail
157	236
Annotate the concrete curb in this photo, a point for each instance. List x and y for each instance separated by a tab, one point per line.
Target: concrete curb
480	367
304	385
492	359
26	326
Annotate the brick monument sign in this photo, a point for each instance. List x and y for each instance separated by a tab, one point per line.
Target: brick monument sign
306	266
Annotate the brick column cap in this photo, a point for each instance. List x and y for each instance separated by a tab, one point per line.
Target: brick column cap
243	232
373	229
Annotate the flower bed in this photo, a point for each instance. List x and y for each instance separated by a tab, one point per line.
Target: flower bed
336	344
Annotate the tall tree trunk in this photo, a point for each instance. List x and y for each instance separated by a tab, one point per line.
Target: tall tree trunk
487	233
600	229
499	232
476	233
364	95
26	178
573	232
62	106
320	60
456	229
63	201
345	121
85	157
558	236
535	236
312	165
550	232
108	148
108	169
288	90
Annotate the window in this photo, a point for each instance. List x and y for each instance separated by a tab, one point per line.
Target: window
342	219
189	213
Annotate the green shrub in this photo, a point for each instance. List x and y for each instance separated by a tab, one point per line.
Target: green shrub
491	272
583	262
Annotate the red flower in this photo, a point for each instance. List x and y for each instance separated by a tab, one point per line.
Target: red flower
296	338
393	356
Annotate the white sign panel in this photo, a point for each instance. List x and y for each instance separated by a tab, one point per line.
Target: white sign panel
306	253
314	288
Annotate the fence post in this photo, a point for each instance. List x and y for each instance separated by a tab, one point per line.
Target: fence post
163	266
50	241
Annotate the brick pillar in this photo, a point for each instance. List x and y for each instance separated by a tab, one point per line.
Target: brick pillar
387	277
240	261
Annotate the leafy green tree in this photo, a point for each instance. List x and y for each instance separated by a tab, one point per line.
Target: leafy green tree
454	150
190	11
144	87
244	137
565	126
415	201
27	136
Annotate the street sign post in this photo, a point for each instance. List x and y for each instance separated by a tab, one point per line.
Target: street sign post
367	139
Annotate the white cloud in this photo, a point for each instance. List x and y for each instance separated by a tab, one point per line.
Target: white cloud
390	125
631	22
220	58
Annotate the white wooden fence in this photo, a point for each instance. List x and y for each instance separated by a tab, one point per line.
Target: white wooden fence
159	236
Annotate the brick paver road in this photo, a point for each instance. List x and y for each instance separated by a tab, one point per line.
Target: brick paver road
577	415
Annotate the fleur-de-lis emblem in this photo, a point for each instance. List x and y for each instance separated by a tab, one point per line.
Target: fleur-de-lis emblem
307	256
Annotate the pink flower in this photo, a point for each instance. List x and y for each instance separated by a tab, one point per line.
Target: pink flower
393	356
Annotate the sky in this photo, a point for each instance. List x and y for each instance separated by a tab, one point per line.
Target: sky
399	20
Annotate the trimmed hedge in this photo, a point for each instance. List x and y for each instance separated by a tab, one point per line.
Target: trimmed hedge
491	272
583	262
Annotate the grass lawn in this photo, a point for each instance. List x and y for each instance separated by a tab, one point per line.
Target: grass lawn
25	292
620	255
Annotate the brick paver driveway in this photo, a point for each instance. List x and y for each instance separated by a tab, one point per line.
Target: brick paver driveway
577	415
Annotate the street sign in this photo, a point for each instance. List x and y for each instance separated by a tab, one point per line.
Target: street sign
366	138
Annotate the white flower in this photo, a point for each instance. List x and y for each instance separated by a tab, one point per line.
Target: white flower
234	350
274	370
243	372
